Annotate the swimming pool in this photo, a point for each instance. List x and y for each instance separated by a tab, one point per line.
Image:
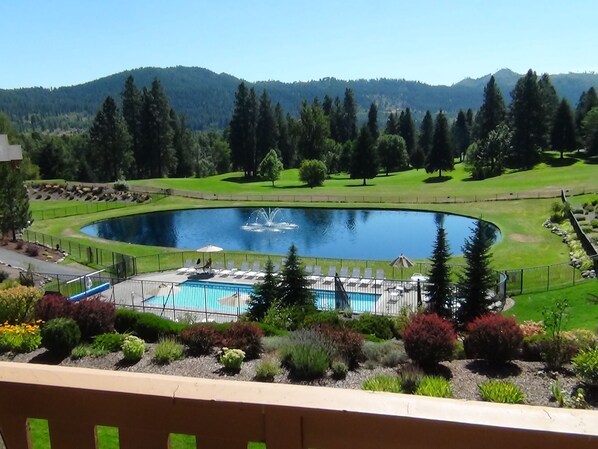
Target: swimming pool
230	298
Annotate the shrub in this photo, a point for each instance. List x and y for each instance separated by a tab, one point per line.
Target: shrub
125	320
494	338
133	348
147	326
94	317
531	328
244	336
585	365
52	305
307	353
410	376
168	350
402	320
387	353
434	386
329	317
266	370
583	339
87	350
20	337
200	338
347	343
110	342
232	359
501	391
271	331
379	325
17	304
594	223
429	339
32	251
339	370
390	384
60	335
312	172
3	276
554	351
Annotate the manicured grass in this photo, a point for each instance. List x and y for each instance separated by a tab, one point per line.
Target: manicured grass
582	313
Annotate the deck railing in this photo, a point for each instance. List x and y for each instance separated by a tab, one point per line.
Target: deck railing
147	408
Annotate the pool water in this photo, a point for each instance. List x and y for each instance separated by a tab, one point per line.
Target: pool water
230	298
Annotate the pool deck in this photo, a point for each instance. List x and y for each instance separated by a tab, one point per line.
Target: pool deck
394	295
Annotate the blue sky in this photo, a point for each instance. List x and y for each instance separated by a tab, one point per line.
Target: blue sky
65	42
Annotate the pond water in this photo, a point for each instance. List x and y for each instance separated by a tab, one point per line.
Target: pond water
334	233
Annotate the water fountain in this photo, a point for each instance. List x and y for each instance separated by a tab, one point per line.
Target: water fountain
261	220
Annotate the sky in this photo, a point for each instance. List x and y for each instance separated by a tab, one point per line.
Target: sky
67	42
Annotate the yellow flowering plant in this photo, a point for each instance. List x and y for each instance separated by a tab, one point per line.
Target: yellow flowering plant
17	304
24	337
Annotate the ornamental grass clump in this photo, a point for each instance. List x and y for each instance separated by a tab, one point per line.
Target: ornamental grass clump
501	391
133	348
429	339
232	359
494	338
17	304
20	337
434	386
111	342
585	365
266	370
390	384
307	353
389	353
168	350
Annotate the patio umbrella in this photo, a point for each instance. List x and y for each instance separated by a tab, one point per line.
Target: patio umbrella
208	249
163	289
401	262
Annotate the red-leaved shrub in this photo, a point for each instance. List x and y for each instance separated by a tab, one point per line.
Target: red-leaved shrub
52	305
94	316
244	336
494	338
200	338
429	339
347	343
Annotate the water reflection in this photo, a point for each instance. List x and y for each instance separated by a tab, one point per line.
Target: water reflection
338	233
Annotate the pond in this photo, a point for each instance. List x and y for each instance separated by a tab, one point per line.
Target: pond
334	233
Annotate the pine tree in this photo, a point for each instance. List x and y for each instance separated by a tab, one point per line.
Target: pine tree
336	121
110	143
492	112
392	124
406	129
441	155
550	103
242	134
185	147
461	134
14	201
478	279
266	135
563	137
349	130
364	164
373	121
131	111
264	294
294	288
285	147
426	134
439	285
587	101
270	167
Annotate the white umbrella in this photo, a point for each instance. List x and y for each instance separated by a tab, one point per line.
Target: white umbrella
163	289
401	262
208	249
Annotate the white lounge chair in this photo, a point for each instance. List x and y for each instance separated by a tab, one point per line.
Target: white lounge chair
379	277
185	268
243	270
315	274
344	274
255	270
230	268
331	274
367	277
355	276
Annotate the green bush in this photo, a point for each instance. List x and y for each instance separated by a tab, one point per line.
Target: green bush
125	320
147	326
501	391
266	370
306	361
390	384
232	359
389	353
410	376
111	342
434	386
554	351
271	331
60	335
379	325
329	317
312	172
87	350
168	350
133	348
402	320
339	370
17	304
585	365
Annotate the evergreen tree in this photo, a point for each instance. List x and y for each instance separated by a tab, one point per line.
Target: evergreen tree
110	143
242	135
270	167
392	152
417	159
550	103
392	124
492	112
563	136
53	158
589	126
439	281
284	141
486	158
266	128
441	155
184	145
294	287
327	105
313	131
461	134
477	279
14	201
527	117
406	129
336	120
373	121
264	294
587	101
349	129
364	164
426	134
131	111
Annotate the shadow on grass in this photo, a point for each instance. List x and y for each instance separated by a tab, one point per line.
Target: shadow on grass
242	179
592	160
493	370
437	179
359	185
554	160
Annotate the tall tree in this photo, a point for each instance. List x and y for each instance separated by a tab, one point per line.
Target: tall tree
550	103
587	101
406	129
492	112
266	130
131	111
287	151
486	158
14	201
441	155
53	158
426	134
392	124
110	143
392	152
439	283
527	117
461	134
313	131
264	295
364	164
563	137
270	167
349	130
477	279
336	118
184	145
589	126
294	288
327	105
373	121
242	133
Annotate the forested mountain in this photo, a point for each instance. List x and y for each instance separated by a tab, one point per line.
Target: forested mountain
206	98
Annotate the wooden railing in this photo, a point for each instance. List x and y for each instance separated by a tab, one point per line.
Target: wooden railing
227	414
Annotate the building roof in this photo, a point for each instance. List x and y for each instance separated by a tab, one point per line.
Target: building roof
9	152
